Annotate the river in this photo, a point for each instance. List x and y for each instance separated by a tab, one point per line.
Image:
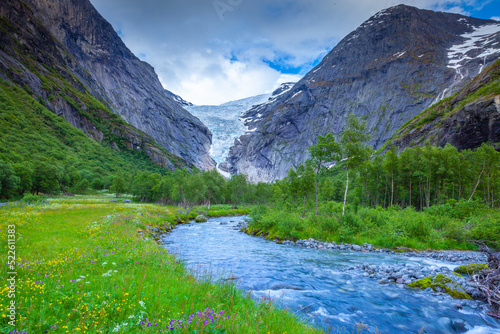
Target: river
312	282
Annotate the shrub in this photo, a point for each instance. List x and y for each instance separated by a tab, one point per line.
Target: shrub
33	199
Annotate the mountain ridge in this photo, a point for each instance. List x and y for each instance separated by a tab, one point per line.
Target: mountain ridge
129	86
386	71
32	59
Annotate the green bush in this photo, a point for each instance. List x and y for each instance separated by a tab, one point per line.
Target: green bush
33	199
82	186
487	230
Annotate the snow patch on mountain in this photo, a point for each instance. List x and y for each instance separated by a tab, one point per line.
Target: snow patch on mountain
482	40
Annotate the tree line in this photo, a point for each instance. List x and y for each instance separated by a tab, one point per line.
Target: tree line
345	171
348	170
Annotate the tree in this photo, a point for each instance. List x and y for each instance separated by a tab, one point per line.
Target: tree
8	181
391	166
353	148
326	150
300	183
194	190
119	185
237	187
24	171
213	182
82	186
45	178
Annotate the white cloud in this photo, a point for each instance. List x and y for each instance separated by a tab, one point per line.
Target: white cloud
496	18
209	60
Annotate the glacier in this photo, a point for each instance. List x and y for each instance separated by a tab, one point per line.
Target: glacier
224	122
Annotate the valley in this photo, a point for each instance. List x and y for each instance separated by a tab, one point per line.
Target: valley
361	195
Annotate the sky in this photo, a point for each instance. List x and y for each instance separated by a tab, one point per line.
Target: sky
213	51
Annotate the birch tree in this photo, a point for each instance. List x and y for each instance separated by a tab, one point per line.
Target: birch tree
353	148
326	150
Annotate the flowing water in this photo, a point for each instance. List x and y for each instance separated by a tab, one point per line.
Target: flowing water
311	282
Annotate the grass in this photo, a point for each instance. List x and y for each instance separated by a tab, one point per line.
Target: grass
441	227
82	267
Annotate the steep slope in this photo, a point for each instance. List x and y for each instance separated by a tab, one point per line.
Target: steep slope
31	58
129	86
392	67
50	155
226	121
465	120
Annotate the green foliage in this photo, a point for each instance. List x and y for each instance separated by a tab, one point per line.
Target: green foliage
82	186
8	180
47	154
326	150
119	185
33	199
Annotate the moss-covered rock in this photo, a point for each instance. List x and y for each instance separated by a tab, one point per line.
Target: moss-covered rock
441	283
471	269
201	219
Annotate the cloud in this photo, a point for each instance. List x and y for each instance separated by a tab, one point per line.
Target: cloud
213	51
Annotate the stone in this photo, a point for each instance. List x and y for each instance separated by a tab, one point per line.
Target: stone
356	248
126	201
471	269
442	283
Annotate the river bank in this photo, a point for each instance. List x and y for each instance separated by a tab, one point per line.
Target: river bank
327	288
401	273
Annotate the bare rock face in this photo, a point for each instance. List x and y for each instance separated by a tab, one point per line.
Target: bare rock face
128	85
387	71
466	120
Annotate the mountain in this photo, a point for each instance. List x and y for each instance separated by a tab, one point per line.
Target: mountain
466	120
179	99
388	70
226	121
72	40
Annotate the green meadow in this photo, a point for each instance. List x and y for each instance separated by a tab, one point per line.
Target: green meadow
84	267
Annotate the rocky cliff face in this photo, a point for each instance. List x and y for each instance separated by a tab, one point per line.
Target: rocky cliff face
466	120
130	87
31	58
388	70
